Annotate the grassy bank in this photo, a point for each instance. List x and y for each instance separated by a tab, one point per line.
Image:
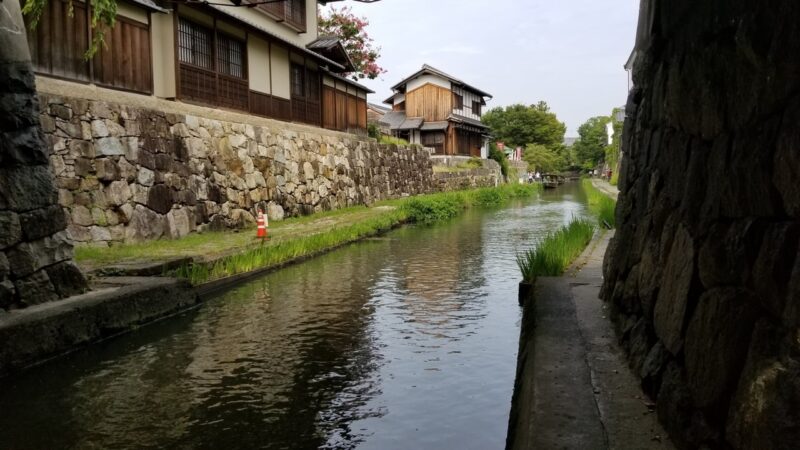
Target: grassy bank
428	209
600	204
554	253
221	254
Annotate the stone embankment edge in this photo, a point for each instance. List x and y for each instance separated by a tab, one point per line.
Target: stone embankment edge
522	392
36	334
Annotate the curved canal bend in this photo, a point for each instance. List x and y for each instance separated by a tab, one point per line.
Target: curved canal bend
404	341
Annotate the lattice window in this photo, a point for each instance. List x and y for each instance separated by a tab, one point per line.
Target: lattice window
298	81
296	13
458	101
476	108
195	44
230	56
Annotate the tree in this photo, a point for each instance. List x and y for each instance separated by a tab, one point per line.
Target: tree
542	159
104	15
520	125
351	31
592	142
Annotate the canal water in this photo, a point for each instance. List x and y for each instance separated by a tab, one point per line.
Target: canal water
407	341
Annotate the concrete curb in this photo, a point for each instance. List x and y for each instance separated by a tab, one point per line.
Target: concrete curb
33	335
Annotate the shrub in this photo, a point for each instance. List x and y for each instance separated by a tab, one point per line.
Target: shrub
392	140
501	159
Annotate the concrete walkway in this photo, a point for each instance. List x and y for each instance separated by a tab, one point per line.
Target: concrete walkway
606	187
575	390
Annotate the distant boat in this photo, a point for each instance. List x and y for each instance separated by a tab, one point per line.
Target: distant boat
550	181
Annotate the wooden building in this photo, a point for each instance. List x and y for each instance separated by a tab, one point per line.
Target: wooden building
266	60
439	111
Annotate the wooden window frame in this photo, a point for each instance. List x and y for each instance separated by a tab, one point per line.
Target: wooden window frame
211	45
476	107
219	60
281	12
458	101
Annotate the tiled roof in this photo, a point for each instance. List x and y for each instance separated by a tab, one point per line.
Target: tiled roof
466	120
394	119
412	123
431	126
432	70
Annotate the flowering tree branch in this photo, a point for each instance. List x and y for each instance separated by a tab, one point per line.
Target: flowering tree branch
351	31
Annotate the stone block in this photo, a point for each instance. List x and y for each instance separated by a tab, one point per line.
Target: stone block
67	279
146	177
35	289
127	171
78	233
42	222
114	128
5	269
99	233
159	199
25	188
718	331
80	148
99	129
7	294
118	193
771	273
179	222
765	410
99	217
109	146
10	229
29	257
144	225
673	298
107	169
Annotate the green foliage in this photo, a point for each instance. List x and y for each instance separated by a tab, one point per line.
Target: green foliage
271	255
543	159
437	208
554	253
520	125
592	141
614	178
500	157
392	140
600	204
104	15
373	130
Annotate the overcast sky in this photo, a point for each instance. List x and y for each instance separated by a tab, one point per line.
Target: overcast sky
568	53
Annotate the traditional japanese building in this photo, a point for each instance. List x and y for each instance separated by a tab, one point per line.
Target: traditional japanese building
266	59
439	111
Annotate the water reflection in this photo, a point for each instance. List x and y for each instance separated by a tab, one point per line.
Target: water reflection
407	341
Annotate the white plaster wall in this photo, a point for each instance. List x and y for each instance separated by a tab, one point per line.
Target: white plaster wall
281	86
132	12
162	38
399	98
424	79
255	16
258	64
468	97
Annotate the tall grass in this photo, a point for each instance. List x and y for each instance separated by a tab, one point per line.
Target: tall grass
554	253
424	209
273	254
600	204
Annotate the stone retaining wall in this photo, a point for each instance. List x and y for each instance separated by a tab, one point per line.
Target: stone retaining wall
35	253
488	175
128	173
704	275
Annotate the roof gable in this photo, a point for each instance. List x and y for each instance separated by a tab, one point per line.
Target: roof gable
427	69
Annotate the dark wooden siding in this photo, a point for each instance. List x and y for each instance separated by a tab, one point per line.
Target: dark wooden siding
343	111
59	43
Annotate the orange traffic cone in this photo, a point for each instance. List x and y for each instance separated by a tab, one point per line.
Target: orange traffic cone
263	223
